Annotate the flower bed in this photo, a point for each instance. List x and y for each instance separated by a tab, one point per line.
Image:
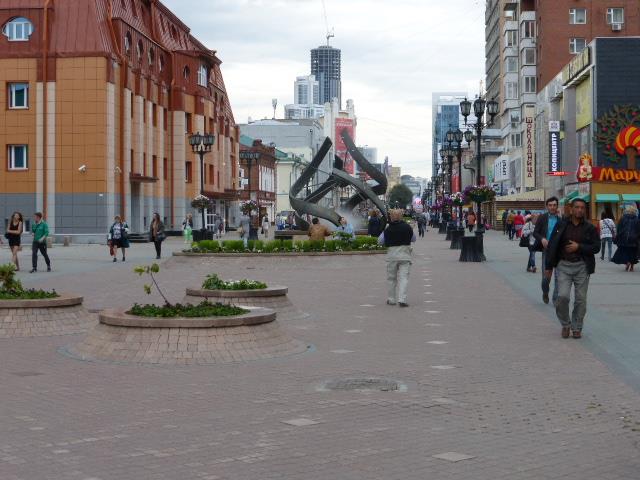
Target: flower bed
361	243
12	289
213	282
203	309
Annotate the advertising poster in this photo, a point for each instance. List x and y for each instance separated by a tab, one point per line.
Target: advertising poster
529	146
341	149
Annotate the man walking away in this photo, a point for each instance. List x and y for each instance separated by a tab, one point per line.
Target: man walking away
571	251
505	214
422	224
397	237
510	227
542	234
40	231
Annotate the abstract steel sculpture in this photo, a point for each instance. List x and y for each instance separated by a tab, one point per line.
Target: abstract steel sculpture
337	178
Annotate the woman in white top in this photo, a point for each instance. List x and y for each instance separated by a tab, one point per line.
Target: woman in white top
265	226
527	233
607	233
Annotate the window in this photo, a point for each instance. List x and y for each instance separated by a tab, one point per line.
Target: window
511	64
511	90
161	63
188	172
154	166
18	30
576	45
203	76
152	56
529	56
186	71
165	118
577	16
127	43
165	168
615	15
18	95
131	169
514	116
140	50
17	156
211	175
528	29
188	127
154	115
529	85
144	164
511	38
133	8
516	140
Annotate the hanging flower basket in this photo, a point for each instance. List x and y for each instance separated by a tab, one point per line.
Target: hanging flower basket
458	199
447	201
479	193
201	202
248	207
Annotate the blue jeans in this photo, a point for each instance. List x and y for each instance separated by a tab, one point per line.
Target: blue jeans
603	242
532	259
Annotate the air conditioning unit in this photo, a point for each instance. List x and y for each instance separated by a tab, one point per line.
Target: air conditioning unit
616	27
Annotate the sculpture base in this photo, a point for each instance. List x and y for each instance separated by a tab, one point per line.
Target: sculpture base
470	251
456	239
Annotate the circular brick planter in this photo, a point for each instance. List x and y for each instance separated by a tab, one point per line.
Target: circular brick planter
63	315
271	297
124	338
280	254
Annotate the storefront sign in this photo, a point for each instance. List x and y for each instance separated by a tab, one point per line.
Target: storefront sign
555	152
576	66
554	125
530	146
608	174
500	169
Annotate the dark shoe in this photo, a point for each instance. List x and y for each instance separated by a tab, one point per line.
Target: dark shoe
389	302
123	259
534	270
48	269
565	332
402	304
577	334
545	297
115	259
33	270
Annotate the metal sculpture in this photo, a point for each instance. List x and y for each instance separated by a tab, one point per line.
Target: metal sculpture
337	178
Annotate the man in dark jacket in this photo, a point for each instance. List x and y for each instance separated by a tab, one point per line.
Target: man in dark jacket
398	238
542	234
571	251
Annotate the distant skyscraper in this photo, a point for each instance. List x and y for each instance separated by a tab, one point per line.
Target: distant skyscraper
325	66
306	96
445	108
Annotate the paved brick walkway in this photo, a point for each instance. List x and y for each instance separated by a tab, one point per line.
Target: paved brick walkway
492	391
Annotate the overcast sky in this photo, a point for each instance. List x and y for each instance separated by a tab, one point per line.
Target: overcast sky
395	53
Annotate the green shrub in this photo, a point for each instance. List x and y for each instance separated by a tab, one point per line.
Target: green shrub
330	245
233	246
11	288
274	246
204	309
213	282
287	245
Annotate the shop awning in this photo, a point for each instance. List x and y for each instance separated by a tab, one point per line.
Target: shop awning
608	197
569	197
586	197
631	197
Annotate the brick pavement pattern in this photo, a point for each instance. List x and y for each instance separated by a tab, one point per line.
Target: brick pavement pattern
504	398
44	321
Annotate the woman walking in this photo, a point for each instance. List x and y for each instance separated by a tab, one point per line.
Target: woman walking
265	226
528	241
627	239
156	232
119	237
187	228
14	230
607	233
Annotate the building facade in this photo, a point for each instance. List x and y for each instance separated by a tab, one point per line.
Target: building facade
445	115
97	120
306	103
326	68
258	176
590	127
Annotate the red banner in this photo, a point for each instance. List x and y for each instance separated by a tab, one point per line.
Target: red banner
341	148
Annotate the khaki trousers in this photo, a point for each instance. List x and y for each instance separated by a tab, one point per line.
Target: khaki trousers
398	280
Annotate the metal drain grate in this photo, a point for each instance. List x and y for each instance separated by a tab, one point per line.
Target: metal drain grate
363	384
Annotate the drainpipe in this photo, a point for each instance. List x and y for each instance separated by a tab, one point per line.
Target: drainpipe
124	70
45	56
170	130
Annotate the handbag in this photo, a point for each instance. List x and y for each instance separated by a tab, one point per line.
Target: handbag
241	231
524	241
161	236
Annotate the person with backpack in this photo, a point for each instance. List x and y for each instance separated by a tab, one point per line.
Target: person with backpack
607	229
627	239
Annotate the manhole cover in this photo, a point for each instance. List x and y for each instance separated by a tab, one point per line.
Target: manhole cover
26	374
364	384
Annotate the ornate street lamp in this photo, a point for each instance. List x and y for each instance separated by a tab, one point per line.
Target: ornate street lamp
480	107
201	144
250	156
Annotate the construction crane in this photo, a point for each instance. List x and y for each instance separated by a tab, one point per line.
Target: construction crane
330	33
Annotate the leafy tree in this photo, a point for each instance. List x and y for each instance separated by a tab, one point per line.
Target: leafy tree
400	196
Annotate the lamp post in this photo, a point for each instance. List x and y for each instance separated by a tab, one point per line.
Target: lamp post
480	107
250	156
201	144
455	139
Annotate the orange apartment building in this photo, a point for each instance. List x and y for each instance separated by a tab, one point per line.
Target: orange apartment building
100	97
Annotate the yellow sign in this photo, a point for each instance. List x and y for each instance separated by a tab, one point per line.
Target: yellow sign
581	61
583	104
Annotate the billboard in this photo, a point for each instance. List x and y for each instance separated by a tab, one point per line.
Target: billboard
529	146
341	148
555	152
